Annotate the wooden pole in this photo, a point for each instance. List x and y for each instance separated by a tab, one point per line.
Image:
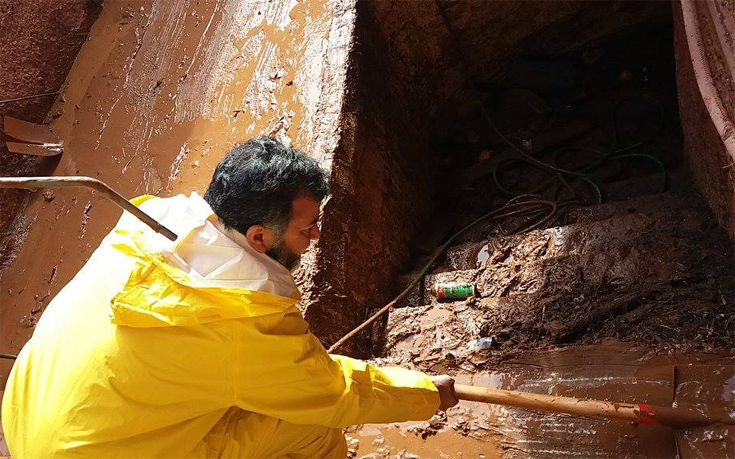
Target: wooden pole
34	183
637	412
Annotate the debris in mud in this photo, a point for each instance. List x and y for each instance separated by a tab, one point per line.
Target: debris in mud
661	274
28	321
453	290
430	427
85	219
37	308
49	195
353	444
481	344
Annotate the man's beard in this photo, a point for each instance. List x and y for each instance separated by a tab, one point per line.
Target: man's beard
282	255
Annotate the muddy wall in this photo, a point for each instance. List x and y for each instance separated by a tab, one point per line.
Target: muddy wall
38	43
158	94
713	166
381	176
407	91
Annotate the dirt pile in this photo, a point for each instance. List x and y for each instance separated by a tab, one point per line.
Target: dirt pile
654	270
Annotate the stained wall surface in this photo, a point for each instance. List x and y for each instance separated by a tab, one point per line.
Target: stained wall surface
381	174
156	97
38	43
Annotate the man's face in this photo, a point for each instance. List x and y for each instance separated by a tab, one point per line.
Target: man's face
301	229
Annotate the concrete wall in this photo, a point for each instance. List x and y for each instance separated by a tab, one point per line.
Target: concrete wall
424	52
381	174
156	97
38	43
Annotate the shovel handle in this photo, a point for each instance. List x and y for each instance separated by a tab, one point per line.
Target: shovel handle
641	413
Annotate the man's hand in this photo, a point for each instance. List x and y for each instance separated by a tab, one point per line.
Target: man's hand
445	384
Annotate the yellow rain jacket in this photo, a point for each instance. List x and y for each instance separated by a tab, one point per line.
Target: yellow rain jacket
193	348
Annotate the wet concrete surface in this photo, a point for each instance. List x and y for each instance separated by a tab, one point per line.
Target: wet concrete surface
610	371
38	43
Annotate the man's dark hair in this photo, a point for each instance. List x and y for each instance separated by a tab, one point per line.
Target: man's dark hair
256	183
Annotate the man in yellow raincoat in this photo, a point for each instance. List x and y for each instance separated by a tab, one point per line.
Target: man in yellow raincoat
195	348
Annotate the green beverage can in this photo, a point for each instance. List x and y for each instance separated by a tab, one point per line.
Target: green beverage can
454	290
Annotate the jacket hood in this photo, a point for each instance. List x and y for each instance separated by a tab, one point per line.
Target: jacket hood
209	273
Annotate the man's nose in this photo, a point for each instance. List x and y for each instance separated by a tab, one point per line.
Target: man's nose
315	232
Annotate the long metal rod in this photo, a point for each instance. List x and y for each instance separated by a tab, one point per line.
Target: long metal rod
34	183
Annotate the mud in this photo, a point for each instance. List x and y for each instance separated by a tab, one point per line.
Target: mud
163	88
158	94
38	43
407	101
610	371
656	270
632	299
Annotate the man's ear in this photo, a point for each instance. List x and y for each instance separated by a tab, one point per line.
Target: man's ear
257	238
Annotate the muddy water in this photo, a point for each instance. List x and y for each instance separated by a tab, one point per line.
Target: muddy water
159	92
609	371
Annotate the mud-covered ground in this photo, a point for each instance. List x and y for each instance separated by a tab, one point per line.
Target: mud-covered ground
610	371
632	300
629	301
654	270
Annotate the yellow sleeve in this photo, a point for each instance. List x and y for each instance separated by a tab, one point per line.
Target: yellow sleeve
287	373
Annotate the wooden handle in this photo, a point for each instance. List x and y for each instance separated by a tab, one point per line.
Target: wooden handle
638	412
34	183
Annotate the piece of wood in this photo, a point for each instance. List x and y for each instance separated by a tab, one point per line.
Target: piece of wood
29	132
34	149
637	412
